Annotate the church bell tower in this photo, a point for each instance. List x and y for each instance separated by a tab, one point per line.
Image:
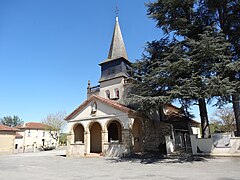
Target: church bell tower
114	70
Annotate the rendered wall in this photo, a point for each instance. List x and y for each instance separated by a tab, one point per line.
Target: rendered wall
205	146
34	140
7	142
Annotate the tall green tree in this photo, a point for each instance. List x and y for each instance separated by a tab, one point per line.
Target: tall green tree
196	61
204	58
150	90
11	121
183	19
226	14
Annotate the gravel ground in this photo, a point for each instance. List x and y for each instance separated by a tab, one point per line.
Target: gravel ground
54	165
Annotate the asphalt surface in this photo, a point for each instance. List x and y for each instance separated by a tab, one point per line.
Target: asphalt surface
54	165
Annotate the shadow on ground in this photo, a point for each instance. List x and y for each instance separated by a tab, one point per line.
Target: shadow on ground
154	158
62	155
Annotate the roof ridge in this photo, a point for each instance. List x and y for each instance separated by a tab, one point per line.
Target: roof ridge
7	128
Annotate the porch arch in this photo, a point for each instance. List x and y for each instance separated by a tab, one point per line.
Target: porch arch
114	129
78	131
137	135
95	137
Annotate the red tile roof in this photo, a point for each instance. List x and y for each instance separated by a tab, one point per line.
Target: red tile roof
7	128
33	125
171	110
111	103
172	116
19	136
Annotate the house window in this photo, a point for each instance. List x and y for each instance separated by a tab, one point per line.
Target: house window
29	133
108	94
117	93
43	133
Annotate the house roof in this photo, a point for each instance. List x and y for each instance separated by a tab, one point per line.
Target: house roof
172	109
33	125
109	102
7	128
178	117
19	136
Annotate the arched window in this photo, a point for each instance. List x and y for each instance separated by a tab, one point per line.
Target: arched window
108	94
117	93
79	133
114	131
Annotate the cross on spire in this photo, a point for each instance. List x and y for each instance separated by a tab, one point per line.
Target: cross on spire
117	10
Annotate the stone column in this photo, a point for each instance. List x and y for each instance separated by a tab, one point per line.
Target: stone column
127	141
70	139
87	142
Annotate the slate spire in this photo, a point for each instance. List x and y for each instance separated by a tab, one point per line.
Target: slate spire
117	48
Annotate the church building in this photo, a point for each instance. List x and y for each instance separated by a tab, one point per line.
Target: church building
103	125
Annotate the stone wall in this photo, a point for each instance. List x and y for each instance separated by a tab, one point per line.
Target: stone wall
151	139
74	149
119	149
115	150
154	136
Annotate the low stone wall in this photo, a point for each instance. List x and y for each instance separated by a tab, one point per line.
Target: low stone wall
205	146
115	149
75	150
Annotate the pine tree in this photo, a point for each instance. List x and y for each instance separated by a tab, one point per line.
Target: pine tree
150	90
204	59
226	14
195	64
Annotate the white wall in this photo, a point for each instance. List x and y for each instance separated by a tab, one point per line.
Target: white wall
205	145
35	139
169	144
111	85
104	114
196	131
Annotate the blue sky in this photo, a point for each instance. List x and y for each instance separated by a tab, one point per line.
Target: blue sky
49	49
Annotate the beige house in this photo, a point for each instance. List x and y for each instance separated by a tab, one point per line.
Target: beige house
103	125
7	139
32	136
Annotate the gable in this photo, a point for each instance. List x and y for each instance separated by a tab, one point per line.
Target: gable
104	107
102	110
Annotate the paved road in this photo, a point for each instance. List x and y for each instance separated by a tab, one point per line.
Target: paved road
53	165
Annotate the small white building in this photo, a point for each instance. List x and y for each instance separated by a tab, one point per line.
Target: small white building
33	135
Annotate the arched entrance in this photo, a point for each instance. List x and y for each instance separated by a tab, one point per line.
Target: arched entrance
95	138
137	135
114	131
78	133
